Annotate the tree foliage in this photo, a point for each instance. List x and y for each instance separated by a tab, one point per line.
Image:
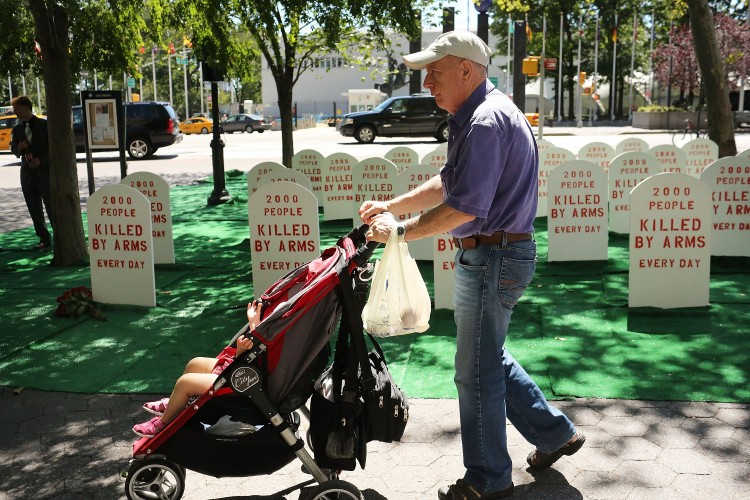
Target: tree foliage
676	62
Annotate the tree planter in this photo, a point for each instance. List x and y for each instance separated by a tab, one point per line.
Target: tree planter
664	120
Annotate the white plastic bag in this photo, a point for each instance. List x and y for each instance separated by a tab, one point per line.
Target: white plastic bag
398	302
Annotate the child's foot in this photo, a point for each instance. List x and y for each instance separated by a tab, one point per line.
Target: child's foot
151	428
157	407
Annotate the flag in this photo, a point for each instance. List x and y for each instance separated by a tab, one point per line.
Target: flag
614	34
186	41
37	48
142	50
529	34
170	49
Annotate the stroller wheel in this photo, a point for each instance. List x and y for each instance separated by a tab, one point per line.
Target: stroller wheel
334	490
155	478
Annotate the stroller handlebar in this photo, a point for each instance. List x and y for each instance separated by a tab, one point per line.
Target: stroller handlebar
364	248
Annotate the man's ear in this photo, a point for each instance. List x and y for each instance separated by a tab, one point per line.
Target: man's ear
467	69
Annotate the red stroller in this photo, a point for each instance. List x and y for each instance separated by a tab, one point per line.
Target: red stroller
260	391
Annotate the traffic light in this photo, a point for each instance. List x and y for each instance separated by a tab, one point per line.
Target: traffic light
581	78
530	66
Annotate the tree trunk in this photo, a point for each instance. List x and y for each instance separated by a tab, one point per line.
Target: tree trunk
284	89
51	24
720	119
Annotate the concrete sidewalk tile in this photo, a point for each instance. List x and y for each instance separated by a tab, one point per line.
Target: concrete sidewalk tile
703	486
633	448
623	426
643	493
686	461
669	437
661	416
596	459
584	416
710	427
698	409
645	474
602	485
724	450
736	417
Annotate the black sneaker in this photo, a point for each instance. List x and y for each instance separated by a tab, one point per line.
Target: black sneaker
464	491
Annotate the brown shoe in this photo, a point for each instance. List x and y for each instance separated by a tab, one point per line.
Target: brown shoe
540	461
464	491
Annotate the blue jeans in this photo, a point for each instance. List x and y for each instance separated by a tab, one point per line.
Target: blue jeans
490	280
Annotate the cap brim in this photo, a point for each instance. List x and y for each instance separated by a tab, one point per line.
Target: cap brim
419	60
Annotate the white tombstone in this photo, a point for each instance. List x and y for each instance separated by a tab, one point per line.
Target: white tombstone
598	153
626	170
285	175
373	179
121	250
337	186
408	180
699	153
402	157
156	190
630	145
310	163
256	174
671	159
577	212
284	231
543	145
670	242
729	181
443	264
435	158
548	161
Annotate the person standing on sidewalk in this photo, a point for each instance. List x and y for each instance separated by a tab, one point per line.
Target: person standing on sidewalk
29	142
486	198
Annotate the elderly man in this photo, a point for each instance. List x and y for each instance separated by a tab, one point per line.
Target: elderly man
486	198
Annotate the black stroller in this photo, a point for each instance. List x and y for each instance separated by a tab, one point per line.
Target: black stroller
260	392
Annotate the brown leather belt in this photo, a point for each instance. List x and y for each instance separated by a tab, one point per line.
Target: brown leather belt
489	239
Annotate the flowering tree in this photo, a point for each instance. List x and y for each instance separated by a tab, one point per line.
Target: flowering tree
676	63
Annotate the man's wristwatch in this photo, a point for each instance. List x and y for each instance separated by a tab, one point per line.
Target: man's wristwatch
401	231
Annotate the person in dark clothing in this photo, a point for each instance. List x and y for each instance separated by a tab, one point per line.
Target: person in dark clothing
29	142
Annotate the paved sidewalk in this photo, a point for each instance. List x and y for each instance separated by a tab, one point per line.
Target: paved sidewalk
74	446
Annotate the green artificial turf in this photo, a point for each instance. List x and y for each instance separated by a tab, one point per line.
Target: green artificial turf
572	331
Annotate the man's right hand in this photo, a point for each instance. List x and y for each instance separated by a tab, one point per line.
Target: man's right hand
23	145
370	209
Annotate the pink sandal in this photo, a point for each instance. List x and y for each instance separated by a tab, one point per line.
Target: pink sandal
157	407
149	429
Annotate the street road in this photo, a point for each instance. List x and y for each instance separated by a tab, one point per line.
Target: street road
191	159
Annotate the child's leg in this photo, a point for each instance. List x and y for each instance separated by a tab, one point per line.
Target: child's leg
187	386
200	365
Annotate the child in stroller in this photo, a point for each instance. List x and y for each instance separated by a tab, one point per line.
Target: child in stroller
199	375
263	387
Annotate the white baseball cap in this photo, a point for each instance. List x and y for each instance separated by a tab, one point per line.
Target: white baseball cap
463	44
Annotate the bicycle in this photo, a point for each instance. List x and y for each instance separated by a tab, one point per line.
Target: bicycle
690	131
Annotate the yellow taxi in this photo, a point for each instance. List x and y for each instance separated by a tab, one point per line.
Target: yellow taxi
197	125
6	126
533	119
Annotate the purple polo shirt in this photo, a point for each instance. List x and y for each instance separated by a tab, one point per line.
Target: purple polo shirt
492	165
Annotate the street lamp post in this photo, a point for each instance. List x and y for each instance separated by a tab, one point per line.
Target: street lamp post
220	193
